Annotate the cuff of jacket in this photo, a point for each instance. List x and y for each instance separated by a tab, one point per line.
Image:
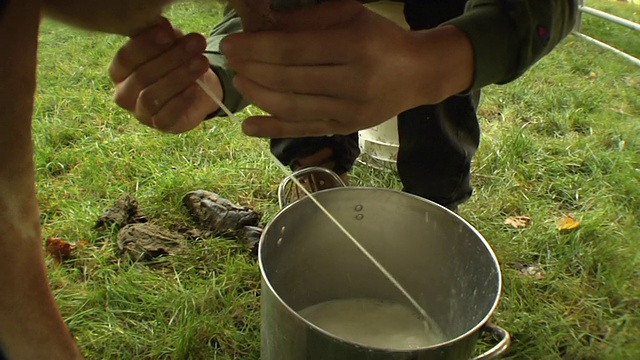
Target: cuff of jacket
494	40
232	98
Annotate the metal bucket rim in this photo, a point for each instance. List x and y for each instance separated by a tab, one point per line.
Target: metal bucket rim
474	329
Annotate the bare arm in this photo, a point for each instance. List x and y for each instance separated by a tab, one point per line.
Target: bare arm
30	325
125	17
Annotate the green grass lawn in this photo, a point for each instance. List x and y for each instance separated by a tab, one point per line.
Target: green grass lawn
562	140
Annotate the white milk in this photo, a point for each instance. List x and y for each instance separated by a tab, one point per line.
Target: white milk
374	323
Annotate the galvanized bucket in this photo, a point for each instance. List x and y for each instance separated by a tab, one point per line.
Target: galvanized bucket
439	258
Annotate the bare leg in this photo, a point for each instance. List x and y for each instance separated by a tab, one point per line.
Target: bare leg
30	324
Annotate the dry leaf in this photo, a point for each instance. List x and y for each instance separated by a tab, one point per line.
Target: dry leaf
567	223
60	249
520	221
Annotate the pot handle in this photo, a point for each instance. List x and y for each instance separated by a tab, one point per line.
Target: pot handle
501	346
318	178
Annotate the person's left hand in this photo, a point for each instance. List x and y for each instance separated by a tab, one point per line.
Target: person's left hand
332	69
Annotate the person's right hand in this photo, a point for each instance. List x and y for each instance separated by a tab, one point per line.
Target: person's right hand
155	75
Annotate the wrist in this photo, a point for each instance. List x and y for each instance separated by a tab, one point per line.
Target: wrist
443	62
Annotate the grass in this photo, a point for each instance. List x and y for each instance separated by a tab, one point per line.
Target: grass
563	139
620	37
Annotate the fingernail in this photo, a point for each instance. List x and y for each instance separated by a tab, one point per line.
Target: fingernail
163	38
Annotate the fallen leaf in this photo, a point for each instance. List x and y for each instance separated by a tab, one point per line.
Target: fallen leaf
622	145
520	221
59	249
567	223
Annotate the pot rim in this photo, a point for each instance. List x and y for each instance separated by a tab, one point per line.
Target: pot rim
476	328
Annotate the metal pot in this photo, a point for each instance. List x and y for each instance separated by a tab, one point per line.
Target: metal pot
441	260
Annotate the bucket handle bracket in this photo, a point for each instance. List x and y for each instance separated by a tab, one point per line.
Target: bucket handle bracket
500	347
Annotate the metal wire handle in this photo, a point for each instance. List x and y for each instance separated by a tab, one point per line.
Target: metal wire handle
330	180
500	347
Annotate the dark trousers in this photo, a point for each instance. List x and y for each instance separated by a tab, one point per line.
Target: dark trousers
437	143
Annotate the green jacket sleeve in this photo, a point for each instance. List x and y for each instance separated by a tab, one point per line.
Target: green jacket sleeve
509	36
230	24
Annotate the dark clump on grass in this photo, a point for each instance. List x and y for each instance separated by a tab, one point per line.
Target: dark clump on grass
124	211
562	141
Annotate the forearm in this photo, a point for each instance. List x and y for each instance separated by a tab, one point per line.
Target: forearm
125	17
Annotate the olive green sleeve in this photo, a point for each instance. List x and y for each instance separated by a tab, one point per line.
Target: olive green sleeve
230	24
509	36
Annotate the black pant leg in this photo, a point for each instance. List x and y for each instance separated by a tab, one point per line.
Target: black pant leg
345	149
437	143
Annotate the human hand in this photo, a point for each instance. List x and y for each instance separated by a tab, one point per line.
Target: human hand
329	70
155	75
336	68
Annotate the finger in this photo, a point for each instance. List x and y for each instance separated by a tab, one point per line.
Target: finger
327	80
185	51
140	49
179	114
295	107
153	98
321	16
332	46
274	128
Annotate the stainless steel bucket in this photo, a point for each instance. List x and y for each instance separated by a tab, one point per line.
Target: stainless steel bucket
441	260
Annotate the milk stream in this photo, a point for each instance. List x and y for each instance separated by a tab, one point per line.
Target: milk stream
286	171
374	323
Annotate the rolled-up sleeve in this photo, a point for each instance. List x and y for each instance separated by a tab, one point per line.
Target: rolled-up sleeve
509	36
